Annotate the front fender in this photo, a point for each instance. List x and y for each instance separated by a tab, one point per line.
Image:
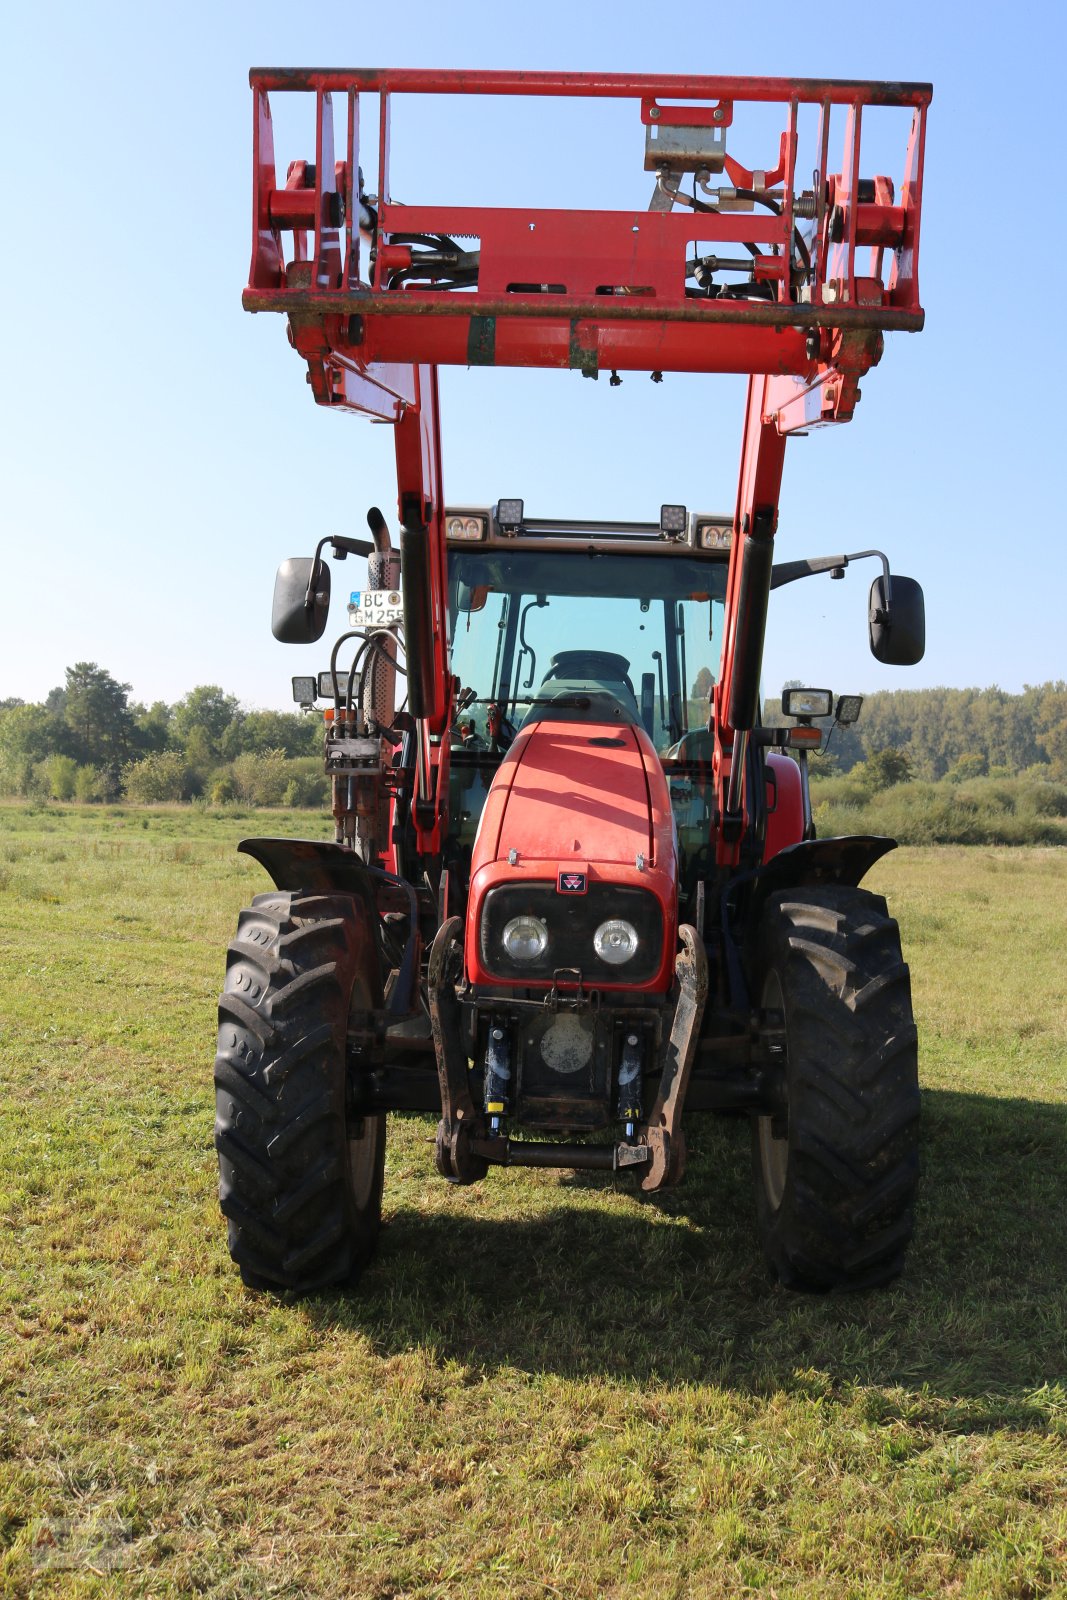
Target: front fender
846	860
317	866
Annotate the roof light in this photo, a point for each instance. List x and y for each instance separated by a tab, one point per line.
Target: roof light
463	525
509	515
672	521
714	535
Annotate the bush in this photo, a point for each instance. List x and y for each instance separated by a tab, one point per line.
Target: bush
161	776
91	785
308	784
971	765
882	770
261	779
223	790
1043	798
981	811
60	774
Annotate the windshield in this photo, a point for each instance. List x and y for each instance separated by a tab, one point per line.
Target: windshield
587	635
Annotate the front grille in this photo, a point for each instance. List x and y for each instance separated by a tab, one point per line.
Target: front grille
571	921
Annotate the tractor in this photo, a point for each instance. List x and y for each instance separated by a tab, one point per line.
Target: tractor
575	890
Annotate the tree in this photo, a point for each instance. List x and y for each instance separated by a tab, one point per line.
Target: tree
972	764
201	719
153	725
96	710
21	746
702	684
1052	726
884	769
257	731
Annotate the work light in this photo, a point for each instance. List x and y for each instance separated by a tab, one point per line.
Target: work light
509	515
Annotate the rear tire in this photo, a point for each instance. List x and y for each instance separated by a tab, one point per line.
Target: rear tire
837	1169
300	1178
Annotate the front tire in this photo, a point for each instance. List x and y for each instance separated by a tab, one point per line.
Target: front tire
837	1167
300	1177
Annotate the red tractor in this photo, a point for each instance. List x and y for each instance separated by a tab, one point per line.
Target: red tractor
575	889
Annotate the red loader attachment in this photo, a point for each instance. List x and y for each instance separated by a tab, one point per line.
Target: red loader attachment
575	884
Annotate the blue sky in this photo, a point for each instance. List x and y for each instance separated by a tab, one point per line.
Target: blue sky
159	450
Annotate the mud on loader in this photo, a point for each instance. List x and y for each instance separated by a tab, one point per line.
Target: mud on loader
570	896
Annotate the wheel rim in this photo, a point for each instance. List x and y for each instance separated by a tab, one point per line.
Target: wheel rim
773	1151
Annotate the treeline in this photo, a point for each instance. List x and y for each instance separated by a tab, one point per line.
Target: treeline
955	734
88	741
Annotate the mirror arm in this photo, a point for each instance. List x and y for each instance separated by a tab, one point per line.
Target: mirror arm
789	571
316	566
884	559
342	547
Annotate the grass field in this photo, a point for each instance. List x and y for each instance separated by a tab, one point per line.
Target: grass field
545	1386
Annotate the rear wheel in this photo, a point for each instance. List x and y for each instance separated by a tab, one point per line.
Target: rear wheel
300	1176
836	1167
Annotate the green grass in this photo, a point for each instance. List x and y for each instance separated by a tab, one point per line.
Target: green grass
545	1386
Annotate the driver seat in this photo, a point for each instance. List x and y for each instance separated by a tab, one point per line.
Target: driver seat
603	665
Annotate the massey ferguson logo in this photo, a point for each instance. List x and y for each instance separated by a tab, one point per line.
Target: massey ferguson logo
572	883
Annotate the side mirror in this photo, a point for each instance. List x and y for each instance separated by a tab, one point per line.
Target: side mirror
898	626
300	606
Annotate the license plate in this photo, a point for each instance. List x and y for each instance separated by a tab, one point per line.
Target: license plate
375	608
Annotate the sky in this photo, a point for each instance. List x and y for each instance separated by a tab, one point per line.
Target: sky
160	453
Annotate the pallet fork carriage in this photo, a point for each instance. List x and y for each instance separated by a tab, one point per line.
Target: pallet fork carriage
716	954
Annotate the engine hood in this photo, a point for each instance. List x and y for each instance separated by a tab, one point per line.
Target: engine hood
567	789
577	808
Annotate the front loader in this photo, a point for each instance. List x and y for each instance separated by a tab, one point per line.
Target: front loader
575	890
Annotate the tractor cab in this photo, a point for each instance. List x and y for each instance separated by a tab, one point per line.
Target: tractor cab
583	622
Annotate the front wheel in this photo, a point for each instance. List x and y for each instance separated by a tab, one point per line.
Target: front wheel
300	1176
836	1166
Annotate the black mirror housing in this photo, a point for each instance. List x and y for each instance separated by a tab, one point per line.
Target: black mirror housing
898	626
293	619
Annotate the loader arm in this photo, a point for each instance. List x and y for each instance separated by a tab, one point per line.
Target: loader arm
380	294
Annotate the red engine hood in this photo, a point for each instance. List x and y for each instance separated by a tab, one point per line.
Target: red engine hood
578	797
576	789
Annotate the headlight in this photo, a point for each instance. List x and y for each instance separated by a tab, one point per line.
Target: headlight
524	938
612	934
615	941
